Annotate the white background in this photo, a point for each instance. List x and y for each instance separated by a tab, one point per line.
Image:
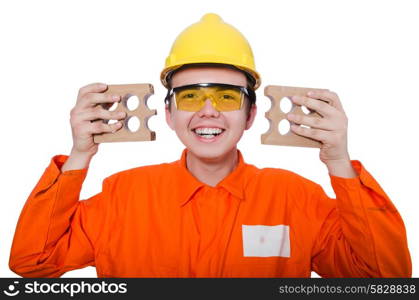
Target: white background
366	51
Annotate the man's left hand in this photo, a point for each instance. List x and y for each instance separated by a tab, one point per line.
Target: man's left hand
331	129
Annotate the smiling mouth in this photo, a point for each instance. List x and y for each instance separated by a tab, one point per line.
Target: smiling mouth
208	133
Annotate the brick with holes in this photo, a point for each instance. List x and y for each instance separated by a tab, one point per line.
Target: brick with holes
142	112
275	115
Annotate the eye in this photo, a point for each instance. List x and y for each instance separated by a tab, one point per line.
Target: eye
227	97
188	95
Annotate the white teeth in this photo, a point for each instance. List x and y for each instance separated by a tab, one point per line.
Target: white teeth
207	136
208	131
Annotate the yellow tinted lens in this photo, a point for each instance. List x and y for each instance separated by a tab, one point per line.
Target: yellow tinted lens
228	99
223	99
189	99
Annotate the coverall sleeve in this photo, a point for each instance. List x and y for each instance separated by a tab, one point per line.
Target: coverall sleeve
56	232
362	234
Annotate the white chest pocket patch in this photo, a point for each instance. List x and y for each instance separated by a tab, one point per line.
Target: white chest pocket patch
265	241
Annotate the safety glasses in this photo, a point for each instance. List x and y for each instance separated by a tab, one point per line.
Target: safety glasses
224	97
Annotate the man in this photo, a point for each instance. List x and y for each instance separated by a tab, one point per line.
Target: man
210	214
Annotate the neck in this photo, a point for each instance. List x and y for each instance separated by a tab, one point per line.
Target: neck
211	170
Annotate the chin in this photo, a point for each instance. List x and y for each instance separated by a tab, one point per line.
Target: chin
209	150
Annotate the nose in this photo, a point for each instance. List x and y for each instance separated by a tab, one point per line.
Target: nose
208	110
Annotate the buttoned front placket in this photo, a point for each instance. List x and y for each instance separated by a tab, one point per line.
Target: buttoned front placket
208	217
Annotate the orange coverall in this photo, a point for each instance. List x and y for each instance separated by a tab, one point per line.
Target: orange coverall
160	221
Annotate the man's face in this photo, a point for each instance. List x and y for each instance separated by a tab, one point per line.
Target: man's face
232	123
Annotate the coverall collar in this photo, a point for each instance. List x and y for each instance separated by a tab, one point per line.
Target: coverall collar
234	182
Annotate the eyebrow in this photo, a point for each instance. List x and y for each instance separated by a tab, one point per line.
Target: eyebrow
213	86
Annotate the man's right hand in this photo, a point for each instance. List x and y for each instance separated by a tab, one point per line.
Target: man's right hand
86	119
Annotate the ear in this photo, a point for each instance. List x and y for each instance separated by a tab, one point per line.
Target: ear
251	116
169	120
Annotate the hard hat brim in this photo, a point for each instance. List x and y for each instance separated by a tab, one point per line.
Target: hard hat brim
166	74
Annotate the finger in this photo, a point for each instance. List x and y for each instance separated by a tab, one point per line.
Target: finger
319	123
316	134
320	107
92	99
99	127
328	96
92	88
102	114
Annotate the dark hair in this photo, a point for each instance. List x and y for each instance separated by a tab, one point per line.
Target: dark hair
250	80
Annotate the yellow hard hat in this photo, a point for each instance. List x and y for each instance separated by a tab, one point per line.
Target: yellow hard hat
211	40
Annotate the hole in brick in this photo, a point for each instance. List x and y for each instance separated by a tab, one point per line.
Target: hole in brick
112	122
284	127
305	110
132	102
110	106
133	123
113	107
285	104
